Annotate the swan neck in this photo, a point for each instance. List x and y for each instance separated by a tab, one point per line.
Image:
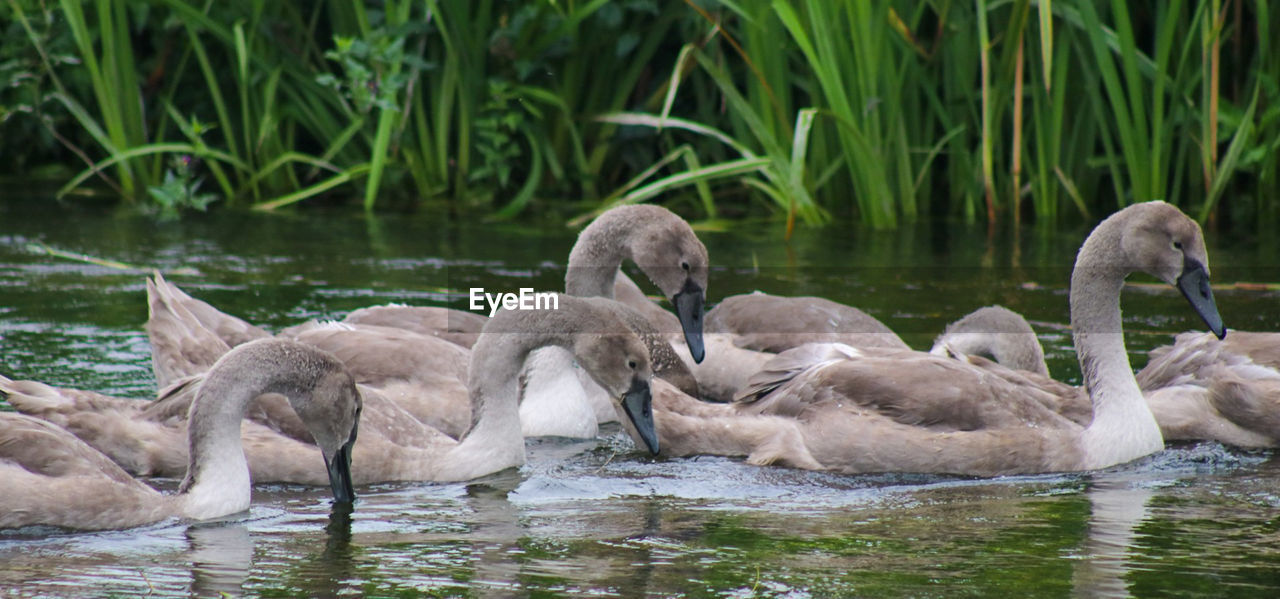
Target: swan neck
495	441
1123	426
597	255
217	481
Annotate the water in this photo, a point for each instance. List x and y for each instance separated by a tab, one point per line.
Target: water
596	518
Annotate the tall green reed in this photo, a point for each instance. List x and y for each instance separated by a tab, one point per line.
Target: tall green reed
109	64
884	110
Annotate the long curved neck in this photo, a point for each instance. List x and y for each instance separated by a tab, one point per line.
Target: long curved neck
599	251
217	481
1021	351
496	441
1123	427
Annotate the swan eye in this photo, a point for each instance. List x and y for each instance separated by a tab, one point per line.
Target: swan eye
631	364
1177	245
685	266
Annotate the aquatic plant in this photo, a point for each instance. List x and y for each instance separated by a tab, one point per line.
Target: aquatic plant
880	112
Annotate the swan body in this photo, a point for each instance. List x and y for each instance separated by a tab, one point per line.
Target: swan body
455	326
659	242
425	375
746	331
773	323
1228	390
53	478
1199	388
602	344
908	411
393	444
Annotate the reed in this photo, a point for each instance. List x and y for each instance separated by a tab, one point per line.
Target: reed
109	64
880	111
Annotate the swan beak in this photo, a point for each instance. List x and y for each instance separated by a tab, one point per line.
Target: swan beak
637	402
1194	285
339	467
689	302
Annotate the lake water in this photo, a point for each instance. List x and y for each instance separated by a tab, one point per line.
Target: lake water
597	518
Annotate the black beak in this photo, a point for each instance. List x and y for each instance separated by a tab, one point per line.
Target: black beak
689	302
340	472
1194	285
638	404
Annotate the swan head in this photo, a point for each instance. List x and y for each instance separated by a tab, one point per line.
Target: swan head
620	364
676	261
332	417
1169	245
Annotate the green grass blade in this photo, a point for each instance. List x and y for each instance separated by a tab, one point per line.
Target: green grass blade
344	177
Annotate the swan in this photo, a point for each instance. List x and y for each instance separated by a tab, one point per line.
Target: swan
599	341
726	368
666	249
916	412
559	398
393	445
774	323
994	331
426	374
1199	388
658	241
746	331
1225	390
53	478
188	335
459	327
1252	355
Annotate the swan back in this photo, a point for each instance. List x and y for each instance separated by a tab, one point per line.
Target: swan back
455	326
774	323
232	330
54	479
425	374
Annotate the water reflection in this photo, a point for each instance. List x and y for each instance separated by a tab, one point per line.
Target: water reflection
333	569
637	581
221	555
496	530
1118	504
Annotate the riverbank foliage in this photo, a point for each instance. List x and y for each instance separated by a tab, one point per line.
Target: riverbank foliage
810	110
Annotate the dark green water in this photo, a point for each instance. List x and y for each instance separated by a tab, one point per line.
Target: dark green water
596	518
